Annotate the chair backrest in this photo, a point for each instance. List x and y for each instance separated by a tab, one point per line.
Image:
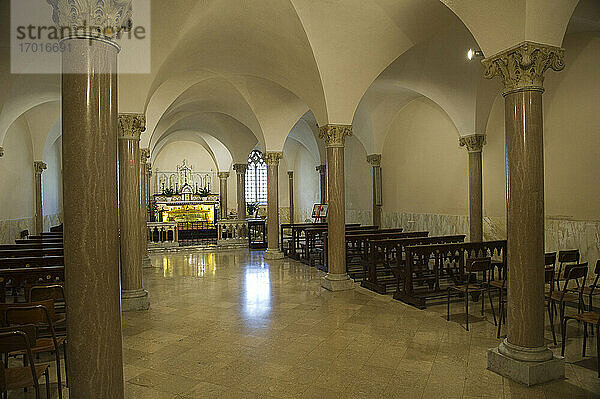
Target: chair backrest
17	339
44	292
550	259
568	256
475	265
41	312
577	273
549	276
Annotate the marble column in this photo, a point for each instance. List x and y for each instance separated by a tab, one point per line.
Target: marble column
322	169
223	176
337	278
240	170
272	159
38	169
133	294
91	237
144	183
523	356
148	189
291	194
474	144
375	161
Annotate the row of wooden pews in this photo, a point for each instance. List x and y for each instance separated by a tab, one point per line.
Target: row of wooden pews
31	261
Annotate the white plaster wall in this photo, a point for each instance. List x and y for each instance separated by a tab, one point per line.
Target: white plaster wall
52	192
358	181
306	185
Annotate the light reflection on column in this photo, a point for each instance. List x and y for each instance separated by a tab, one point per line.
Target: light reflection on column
256	303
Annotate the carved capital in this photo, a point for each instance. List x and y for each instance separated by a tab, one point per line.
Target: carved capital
291	174
39	167
131	126
374	159
144	155
335	135
522	67
273	158
473	142
108	17
322	169
240	168
223	175
1	152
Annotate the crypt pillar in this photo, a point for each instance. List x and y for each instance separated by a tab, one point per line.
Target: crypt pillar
322	169
272	159
133	294
91	237
38	168
144	184
291	194
474	144
223	176
240	170
375	161
523	355
337	278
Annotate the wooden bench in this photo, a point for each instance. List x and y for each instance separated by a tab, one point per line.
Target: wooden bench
31	252
289	239
385	259
315	241
20	277
448	266
28	241
51	245
11	263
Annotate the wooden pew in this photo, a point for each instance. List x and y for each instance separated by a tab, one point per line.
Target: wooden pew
419	256
28	241
290	238
20	277
299	229
5	247
31	252
385	260
11	263
319	235
52	234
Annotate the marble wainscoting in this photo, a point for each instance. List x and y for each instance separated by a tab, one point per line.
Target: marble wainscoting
284	214
362	216
10	229
434	223
52	220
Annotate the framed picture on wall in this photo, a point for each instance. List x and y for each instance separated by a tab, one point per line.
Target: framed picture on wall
319	211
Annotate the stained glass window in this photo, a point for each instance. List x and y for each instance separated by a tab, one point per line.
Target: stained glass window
256	179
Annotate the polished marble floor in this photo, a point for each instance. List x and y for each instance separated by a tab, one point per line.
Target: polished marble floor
230	325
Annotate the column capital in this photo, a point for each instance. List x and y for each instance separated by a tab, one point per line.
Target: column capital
335	135
522	67
291	174
223	175
473	142
273	158
131	126
322	169
374	159
144	155
240	168
39	167
1	152
109	16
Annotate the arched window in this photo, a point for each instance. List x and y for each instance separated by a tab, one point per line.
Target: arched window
256	179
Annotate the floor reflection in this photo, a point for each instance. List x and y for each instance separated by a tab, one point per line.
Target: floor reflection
256	292
189	265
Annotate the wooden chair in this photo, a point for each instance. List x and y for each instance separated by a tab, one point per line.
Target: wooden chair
550	259
474	266
576	274
21	339
549	280
591	290
592	318
570	256
56	292
41	314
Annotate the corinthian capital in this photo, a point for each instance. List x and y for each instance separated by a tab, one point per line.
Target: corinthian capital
335	135
1	152
240	168
374	159
272	158
39	167
523	66
473	142
322	169
144	155
223	175
106	16
131	126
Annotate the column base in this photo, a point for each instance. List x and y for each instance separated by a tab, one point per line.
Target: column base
337	282
273	254
134	300
146	262
528	366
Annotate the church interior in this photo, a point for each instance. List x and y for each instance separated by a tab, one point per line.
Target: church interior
299	199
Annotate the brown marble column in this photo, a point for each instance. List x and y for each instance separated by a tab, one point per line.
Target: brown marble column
337	278
91	238
133	294
240	170
291	194
144	184
524	356
322	169
375	161
38	169
223	176
272	159
474	144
